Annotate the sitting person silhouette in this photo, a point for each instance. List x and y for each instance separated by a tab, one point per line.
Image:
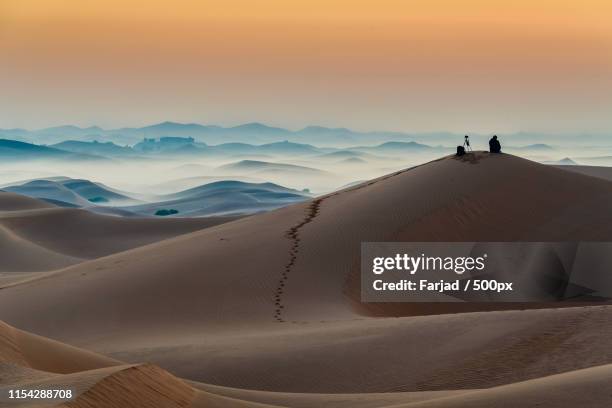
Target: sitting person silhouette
494	145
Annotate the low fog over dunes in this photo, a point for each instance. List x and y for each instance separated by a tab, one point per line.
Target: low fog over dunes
147	161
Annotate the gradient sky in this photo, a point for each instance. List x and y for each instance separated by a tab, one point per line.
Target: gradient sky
411	65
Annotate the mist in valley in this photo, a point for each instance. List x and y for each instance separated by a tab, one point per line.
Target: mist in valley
188	175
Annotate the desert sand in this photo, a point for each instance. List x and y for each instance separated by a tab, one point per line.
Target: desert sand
265	310
593	171
36	236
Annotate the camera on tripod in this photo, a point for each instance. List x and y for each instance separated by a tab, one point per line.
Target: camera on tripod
466	144
461	150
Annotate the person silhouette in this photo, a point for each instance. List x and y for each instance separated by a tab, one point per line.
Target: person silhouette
494	145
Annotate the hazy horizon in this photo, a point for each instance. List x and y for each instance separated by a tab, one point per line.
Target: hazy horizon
407	131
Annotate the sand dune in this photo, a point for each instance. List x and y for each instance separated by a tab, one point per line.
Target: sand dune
88	235
14	202
21	255
30	241
427	353
270	302
593	171
142	386
77	192
40	353
445	200
308	400
229	197
261	166
123	386
51	190
101	382
28	361
583	388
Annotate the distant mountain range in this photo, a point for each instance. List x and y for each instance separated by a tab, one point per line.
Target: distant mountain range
257	133
534	147
95	148
563	162
16	150
188	146
394	147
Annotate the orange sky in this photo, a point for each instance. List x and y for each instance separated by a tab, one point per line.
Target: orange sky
469	65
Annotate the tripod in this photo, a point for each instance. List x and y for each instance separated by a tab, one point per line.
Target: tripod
466	144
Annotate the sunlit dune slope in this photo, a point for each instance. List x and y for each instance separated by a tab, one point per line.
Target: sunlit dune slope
40	353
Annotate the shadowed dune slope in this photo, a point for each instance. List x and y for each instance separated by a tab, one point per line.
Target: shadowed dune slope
36	236
422	353
21	255
593	171
309	400
197	303
14	202
584	388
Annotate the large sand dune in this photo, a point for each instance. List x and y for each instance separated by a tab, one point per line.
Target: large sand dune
36	236
97	381
593	171
40	353
13	202
271	302
79	233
